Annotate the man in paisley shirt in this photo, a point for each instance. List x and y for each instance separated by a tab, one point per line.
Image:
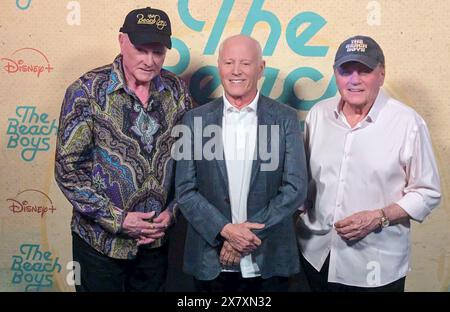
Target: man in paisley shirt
113	159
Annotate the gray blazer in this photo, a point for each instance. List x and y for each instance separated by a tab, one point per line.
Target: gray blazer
202	193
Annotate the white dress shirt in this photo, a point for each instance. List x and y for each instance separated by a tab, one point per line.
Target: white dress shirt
239	130
386	158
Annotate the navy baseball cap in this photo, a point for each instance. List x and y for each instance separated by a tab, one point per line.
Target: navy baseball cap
360	49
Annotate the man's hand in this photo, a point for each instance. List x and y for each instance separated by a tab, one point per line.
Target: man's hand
229	256
241	237
358	225
158	227
136	223
164	220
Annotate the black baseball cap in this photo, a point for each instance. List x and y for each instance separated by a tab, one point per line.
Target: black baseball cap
360	49
148	25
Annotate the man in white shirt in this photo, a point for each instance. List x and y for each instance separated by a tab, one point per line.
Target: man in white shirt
372	170
239	205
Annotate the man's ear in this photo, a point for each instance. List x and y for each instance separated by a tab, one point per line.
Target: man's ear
121	39
263	66
383	75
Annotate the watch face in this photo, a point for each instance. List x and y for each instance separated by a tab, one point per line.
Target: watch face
384	222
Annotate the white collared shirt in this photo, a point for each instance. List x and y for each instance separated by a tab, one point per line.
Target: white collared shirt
239	130
386	158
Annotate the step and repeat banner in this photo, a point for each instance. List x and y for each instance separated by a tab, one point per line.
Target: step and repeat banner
45	45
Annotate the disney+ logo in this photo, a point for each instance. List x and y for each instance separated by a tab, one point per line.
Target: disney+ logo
27	60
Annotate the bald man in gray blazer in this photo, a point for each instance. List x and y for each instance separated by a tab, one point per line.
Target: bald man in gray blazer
240	234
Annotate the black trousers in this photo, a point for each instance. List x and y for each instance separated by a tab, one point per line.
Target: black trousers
234	282
146	273
318	281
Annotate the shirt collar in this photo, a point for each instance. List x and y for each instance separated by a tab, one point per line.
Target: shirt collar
252	107
117	78
374	110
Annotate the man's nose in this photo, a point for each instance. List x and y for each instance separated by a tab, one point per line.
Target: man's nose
236	68
149	59
355	77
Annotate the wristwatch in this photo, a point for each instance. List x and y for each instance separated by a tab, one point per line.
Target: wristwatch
384	221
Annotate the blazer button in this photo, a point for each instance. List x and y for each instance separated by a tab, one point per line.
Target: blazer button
227	200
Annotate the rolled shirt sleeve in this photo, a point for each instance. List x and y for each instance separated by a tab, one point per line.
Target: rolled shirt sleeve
422	192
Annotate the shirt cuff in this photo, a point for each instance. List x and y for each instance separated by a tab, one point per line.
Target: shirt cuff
114	222
173	206
414	205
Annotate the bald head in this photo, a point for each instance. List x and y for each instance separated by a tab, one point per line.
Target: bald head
240	67
249	42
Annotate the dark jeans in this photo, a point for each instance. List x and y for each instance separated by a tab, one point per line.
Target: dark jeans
318	281
147	272
234	282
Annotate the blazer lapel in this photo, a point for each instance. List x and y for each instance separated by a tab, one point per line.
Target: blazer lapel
265	118
215	118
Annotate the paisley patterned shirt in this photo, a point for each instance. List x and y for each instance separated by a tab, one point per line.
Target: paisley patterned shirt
113	156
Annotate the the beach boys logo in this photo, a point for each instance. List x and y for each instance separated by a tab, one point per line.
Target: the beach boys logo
30	131
31	202
356	45
152	19
28	61
34	267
